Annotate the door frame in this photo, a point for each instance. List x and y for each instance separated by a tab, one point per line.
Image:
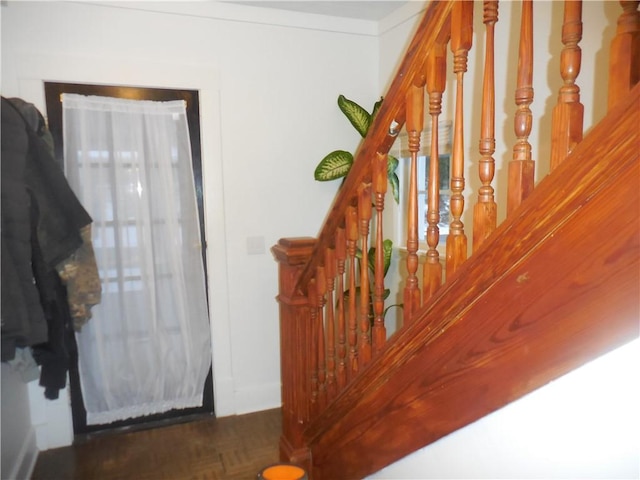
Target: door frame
53	92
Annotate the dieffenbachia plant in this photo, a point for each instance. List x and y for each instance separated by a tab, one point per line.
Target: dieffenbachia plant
338	163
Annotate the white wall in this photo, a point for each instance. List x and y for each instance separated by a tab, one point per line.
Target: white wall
584	425
268	85
19	450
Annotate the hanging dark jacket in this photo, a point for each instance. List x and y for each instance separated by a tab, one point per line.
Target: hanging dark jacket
41	222
23	321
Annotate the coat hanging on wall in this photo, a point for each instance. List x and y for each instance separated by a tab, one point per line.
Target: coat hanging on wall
49	275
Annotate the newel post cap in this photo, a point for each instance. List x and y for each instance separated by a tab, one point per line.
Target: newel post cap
293	251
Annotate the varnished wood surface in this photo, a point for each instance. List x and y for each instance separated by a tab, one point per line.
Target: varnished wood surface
555	286
461	42
568	114
296	334
521	169
486	209
624	63
552	288
229	448
415	124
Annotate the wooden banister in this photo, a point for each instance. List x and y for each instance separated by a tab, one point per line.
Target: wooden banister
330	269
386	124
485	211
379	189
321	288
415	122
461	40
352	239
624	65
341	258
436	82
520	315
525	298
364	324
566	130
521	168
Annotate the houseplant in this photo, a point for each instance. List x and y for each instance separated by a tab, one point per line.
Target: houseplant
338	163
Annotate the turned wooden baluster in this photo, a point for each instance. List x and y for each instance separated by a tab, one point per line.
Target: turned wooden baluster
485	211
379	190
321	287
330	331
351	220
364	220
522	167
436	77
624	62
341	255
567	120
461	39
414	126
312	290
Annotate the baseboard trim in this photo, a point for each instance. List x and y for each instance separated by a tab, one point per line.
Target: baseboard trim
223	396
257	399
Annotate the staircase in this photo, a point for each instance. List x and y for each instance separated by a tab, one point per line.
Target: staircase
519	304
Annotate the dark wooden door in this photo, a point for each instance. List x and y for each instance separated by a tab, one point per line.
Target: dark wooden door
53	92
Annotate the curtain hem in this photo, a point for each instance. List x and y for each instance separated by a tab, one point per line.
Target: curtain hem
100	418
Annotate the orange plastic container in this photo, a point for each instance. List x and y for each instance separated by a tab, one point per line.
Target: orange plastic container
283	471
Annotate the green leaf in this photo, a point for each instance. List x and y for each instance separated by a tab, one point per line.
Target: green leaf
387	248
395	187
357	115
394	181
335	165
387	245
392	164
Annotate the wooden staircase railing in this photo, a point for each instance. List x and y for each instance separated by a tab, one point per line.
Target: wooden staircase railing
505	321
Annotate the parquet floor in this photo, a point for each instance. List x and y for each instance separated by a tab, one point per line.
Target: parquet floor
229	448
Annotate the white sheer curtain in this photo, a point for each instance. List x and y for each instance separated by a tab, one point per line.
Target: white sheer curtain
147	348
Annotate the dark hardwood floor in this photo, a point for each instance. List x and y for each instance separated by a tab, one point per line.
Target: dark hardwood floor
229	448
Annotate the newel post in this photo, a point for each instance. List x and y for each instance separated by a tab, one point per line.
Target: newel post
292	254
